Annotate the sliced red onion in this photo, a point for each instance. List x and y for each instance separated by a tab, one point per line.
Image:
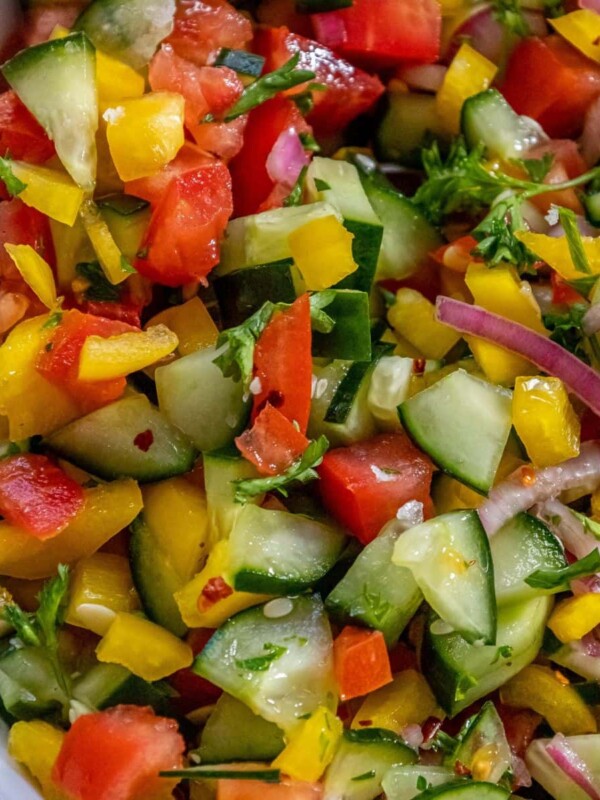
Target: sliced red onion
566	527
287	158
593	5
423	77
483	32
549	356
412	735
590	324
566	759
589	585
521	775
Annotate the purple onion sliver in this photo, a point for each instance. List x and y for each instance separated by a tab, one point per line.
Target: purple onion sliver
572	765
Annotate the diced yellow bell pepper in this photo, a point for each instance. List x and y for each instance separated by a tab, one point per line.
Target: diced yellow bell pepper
104	359
545	420
408	700
501	291
101	586
192	323
145	133
450	7
71	246
450	495
107	177
59	32
198	610
555	252
49	191
108	509
311	747
550	694
36	746
322	251
574	617
36	272
115	265
116	80
143	647
469	73
582	30
413	317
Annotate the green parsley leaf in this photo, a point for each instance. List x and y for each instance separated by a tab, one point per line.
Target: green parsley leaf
365	776
14	186
262	663
321	185
309	142
269	85
302	471
294	198
54	320
100	288
560	578
565	329
237	360
23	624
553	8
496	236
536	168
569	222
510	14
422	783
584	285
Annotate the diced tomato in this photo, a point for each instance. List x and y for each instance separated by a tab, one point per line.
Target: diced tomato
426	280
117	754
552	82
153	187
567	163
361	662
384	33
283	12
252	183
456	255
273	443
37	495
288	789
194	690
182	240
590	425
365	484
283	364
203	27
21	136
520	725
562	293
350	91
42	18
402	657
222	139
59	362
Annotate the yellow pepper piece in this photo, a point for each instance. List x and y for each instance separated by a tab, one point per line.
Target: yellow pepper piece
408	700
36	272
574	617
143	647
36	746
192	324
413	317
322	250
116	80
311	747
545	420
101	586
49	191
550	694
59	32
145	133
450	7
468	74
201	611
555	252
582	30
450	495
71	246
115	266
108	509
104	359
501	291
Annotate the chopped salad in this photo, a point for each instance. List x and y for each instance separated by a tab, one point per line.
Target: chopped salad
300	399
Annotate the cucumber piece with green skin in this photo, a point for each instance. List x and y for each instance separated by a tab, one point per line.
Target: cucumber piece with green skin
350	339
466	790
56	80
235	733
106	685
376	593
195	396
450	559
28	685
276	658
575	657
486	730
246	64
519	548
105	442
591	203
400	783
275	552
362	759
556	781
129	31
486	118
410	122
463	424
244	291
460	673
127	218
221	469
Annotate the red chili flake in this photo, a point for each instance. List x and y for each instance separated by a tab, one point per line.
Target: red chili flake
365	723
144	440
528	476
418	366
216	589
460	769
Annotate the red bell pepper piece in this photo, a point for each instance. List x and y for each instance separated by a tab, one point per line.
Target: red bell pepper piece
365	484
21	136
273	443
283	364
37	495
361	662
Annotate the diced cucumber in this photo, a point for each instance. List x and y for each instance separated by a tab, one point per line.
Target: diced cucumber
362	759
249	65
244	291
487	118
485	731
28	685
411	121
126	439
575	656
460	673
400	783
591	203
390	385
130	31
221	469
520	547
450	559
57	82
350	339
556	781
463	423
275	552
466	790
408	236
276	658
376	593
106	685
127	218
235	733
195	396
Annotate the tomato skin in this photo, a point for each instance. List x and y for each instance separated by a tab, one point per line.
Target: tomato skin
117	754
567	164
203	27
21	135
37	495
350	91
182	240
153	187
273	443
552	82
283	364
362	499
383	34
